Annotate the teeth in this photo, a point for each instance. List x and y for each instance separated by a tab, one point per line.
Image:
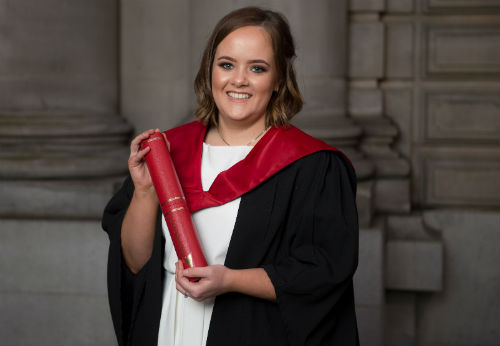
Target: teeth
238	95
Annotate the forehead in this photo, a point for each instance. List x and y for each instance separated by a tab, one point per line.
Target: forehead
252	41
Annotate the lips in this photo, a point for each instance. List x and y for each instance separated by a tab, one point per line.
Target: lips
239	96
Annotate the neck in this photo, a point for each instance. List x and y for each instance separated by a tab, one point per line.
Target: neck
236	134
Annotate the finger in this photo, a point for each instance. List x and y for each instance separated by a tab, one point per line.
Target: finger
143	136
177	270
134	145
183	285
137	159
141	153
179	267
182	291
179	273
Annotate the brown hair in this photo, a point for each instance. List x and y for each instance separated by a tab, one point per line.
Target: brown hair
287	100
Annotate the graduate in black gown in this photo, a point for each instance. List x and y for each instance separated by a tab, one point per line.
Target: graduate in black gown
287	276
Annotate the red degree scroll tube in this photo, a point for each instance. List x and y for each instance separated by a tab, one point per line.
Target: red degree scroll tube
173	203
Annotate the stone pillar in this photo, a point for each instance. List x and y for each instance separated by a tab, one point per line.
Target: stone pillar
63	150
320	31
155	71
62	141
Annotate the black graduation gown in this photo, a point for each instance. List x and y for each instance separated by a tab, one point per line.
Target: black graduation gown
300	225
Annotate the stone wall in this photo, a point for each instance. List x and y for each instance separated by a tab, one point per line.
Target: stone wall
424	86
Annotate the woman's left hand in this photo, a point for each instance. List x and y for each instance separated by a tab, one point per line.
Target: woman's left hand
213	281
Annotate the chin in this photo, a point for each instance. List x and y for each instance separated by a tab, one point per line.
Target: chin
238	116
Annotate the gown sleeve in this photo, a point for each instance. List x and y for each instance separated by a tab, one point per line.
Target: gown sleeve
313	275
124	288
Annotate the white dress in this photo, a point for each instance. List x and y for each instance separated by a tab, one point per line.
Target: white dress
185	321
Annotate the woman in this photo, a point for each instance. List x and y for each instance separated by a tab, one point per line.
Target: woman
274	210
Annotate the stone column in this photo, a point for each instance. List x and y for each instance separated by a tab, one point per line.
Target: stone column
155	75
320	31
62	142
63	150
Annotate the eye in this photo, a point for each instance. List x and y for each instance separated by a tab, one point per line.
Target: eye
258	69
226	66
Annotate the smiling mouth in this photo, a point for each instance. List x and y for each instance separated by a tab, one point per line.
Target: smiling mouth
238	95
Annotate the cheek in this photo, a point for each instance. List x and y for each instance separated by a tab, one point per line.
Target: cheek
266	87
214	80
217	87
218	79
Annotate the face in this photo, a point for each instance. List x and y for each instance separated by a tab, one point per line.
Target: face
244	75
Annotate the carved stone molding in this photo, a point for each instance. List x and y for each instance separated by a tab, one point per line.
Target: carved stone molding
59	164
460	50
57	198
400	6
62	146
458	177
461	6
460	115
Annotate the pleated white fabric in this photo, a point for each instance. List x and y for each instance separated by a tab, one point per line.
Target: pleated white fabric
185	321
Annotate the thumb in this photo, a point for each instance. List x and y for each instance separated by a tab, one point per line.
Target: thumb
166	140
196	272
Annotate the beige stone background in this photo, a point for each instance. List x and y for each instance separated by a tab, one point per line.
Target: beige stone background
409	89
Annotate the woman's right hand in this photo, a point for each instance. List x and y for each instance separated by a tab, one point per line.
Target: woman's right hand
139	223
137	165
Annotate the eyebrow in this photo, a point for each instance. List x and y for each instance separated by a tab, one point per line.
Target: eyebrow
256	61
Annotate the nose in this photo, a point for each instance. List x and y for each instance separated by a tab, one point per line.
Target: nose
239	77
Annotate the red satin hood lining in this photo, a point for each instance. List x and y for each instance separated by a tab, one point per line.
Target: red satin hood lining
278	148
